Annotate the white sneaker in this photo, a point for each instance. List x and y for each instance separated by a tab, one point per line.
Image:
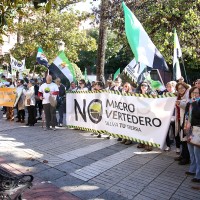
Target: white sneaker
167	149
178	150
60	125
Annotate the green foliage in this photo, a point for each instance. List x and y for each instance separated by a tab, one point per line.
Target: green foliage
46	30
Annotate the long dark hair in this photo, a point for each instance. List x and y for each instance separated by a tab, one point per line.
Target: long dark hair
138	89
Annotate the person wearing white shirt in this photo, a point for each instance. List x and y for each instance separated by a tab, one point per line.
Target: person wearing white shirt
45	90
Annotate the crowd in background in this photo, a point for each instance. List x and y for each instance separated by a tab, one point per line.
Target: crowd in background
43	97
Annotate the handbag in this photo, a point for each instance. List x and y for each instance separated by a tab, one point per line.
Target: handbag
52	101
28	101
194	138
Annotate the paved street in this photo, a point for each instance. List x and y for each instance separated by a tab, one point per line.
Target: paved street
70	164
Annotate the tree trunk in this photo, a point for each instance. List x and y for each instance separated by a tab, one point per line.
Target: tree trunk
102	41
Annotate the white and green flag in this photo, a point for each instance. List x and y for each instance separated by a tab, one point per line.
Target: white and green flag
143	48
177	55
41	57
116	74
62	68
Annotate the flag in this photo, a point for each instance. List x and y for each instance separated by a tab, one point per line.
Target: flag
41	58
177	55
17	65
62	68
117	73
85	75
155	85
143	48
137	71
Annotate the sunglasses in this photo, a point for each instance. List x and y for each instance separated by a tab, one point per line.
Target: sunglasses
80	83
144	85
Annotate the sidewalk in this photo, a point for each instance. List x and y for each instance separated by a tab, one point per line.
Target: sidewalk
72	164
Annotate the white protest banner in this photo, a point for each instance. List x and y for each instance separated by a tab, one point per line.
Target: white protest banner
17	65
137	71
134	117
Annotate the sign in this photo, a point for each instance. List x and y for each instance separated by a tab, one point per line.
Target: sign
140	118
7	97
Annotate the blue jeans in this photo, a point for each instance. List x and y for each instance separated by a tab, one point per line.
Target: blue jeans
61	112
195	160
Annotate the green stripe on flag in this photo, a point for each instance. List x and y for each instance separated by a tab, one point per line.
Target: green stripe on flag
63	57
132	28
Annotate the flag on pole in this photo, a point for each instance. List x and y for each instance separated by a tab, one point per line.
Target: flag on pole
177	55
117	73
41	58
17	65
62	68
137	71
141	45
85	75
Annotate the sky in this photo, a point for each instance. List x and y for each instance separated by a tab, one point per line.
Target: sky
86	6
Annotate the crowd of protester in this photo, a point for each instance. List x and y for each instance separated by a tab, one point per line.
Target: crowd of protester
37	96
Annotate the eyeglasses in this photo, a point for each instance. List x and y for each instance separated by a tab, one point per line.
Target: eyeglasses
144	85
194	92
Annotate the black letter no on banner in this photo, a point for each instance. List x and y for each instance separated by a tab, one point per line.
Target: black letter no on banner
76	105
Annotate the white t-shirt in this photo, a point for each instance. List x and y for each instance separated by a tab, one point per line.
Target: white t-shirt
46	89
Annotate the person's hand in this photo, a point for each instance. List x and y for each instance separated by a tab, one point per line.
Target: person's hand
41	98
178	102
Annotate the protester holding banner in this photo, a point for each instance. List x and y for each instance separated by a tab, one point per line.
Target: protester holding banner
45	91
72	87
126	89
82	86
98	86
30	103
10	110
171	88
192	126
182	99
117	85
144	88
61	100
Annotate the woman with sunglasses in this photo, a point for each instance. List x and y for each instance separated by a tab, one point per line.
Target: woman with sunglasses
82	86
144	88
192	124
182	100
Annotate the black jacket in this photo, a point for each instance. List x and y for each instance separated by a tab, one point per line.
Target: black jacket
195	118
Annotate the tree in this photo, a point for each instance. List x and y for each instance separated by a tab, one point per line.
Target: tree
46	30
159	18
10	9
